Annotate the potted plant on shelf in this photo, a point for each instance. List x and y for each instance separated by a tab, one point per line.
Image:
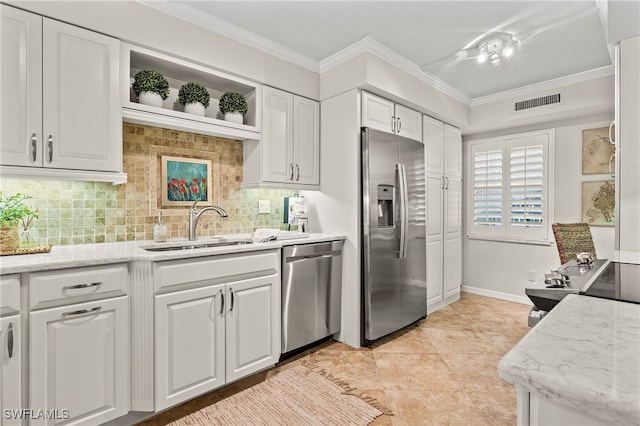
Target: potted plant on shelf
194	97
233	105
150	87
12	210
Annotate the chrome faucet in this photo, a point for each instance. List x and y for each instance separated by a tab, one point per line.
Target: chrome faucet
194	216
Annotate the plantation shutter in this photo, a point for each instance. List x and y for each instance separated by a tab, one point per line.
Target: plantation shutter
488	187
526	186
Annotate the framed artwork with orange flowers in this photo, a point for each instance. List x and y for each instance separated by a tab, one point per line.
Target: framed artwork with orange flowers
185	180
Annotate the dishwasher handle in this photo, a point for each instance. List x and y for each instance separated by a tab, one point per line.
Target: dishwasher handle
332	253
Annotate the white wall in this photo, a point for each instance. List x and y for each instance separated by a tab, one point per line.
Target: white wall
501	269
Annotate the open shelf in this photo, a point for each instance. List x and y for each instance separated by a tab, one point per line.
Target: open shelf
171	114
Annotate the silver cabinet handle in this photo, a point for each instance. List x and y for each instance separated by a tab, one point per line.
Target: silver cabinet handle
393	124
399	125
447	186
79	286
10	339
290	171
50	148
442	179
611	141
611	172
297	172
81	312
232	300
221	302
34	147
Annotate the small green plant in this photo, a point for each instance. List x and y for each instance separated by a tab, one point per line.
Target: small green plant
13	209
193	92
232	102
150	81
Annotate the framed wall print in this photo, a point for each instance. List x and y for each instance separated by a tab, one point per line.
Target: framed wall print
597	151
599	202
185	180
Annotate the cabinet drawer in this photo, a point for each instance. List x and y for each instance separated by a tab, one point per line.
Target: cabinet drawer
65	286
9	294
215	269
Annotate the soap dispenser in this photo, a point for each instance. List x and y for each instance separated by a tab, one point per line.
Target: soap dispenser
160	230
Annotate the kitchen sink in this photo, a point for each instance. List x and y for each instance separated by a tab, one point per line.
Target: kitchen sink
194	246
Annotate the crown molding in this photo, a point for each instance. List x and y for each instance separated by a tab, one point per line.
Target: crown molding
194	16
373	47
544	85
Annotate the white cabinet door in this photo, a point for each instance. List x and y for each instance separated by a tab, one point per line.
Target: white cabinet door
378	113
79	361
433	146
408	123
452	152
452	255
82	119
21	88
10	369
306	140
190	358
277	136
253	325
434	241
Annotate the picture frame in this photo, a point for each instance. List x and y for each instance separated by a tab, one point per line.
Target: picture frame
598	202
597	152
185	180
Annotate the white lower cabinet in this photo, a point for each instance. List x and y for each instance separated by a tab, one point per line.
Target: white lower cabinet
224	326
10	370
79	362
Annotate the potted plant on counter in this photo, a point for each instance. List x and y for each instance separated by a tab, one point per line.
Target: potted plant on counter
194	97
234	106
12	210
150	87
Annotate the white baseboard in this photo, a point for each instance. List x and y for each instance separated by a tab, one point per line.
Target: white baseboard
496	294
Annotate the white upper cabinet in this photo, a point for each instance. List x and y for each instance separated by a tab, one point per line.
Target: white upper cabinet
384	115
288	156
171	114
60	106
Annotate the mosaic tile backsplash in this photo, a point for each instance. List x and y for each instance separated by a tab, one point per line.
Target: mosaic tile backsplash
93	212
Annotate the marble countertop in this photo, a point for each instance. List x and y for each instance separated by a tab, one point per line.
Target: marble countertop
585	354
71	256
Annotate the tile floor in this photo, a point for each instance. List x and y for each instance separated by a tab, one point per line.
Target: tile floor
440	371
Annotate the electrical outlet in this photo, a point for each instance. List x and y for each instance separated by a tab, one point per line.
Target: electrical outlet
532	275
264	206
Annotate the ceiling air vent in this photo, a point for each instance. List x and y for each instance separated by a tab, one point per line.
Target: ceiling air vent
538	102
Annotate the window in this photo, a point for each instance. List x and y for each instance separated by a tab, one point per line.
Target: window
511	187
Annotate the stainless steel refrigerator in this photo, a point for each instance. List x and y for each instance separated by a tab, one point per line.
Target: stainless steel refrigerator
394	283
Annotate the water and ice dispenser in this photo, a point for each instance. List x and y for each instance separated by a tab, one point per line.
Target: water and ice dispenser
385	206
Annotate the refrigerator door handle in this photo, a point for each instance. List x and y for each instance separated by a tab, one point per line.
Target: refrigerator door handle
402	180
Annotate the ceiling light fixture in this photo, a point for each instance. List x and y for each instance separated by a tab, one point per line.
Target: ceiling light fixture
495	47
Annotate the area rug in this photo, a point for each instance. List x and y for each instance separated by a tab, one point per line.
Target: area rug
296	396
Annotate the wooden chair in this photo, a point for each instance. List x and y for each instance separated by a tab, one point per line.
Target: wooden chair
571	239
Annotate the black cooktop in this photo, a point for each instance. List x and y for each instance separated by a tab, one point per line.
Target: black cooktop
617	281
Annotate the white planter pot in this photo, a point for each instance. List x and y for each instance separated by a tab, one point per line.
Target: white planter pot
151	99
195	108
234	117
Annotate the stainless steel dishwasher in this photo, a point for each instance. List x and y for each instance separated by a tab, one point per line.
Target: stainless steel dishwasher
311	292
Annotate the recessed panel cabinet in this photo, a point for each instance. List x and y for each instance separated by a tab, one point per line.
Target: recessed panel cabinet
59	94
387	116
443	161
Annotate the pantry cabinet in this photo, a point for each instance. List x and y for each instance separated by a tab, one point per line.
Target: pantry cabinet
288	155
443	164
79	345
387	116
10	349
60	103
217	319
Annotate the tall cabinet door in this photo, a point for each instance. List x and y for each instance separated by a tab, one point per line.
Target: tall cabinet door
434	240
190	330
452	255
21	88
277	136
79	360
253	326
10	368
306	140
452	151
82	119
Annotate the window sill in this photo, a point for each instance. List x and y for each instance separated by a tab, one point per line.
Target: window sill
511	240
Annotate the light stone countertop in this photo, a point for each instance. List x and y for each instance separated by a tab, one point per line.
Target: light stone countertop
71	256
585	354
